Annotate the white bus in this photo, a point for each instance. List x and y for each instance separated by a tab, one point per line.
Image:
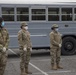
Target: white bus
40	16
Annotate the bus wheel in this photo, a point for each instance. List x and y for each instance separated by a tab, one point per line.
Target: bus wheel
68	46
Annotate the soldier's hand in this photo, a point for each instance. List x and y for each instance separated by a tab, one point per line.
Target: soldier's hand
25	49
4	49
60	45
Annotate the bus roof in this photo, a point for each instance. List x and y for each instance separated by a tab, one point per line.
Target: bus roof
37	1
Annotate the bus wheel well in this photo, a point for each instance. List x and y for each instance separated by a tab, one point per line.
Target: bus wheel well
69	36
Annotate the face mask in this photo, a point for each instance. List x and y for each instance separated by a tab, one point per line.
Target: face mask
26	27
56	29
3	24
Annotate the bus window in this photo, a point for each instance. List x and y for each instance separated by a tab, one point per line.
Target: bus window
53	14
8	13
22	14
75	14
38	14
66	14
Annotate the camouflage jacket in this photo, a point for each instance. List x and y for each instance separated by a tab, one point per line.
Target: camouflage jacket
55	39
24	39
4	38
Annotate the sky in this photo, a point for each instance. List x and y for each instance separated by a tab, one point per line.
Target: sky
34	1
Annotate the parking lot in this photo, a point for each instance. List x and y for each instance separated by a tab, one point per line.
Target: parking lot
40	64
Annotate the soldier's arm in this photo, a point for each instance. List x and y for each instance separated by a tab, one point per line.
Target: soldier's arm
53	42
7	40
61	39
20	39
30	43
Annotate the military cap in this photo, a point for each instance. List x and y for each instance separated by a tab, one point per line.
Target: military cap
54	26
24	24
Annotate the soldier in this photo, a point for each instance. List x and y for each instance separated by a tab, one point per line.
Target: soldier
4	41
56	43
25	47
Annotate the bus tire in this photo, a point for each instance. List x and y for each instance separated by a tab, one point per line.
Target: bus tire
68	46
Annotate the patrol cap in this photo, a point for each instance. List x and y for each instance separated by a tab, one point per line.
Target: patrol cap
23	24
54	26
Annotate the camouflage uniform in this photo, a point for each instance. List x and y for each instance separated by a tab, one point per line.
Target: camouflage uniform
24	41
55	40
4	41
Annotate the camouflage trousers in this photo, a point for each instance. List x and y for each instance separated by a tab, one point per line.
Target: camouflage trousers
55	55
25	58
3	61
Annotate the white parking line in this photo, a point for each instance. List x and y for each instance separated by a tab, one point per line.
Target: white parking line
12	51
38	69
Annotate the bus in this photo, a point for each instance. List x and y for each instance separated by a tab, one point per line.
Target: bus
40	16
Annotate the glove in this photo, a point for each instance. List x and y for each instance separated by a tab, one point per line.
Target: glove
4	49
31	49
60	45
25	49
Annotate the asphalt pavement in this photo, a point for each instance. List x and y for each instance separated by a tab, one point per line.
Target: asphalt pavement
40	63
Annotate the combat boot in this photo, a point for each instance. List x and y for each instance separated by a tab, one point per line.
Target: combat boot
54	67
59	67
23	72
28	72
